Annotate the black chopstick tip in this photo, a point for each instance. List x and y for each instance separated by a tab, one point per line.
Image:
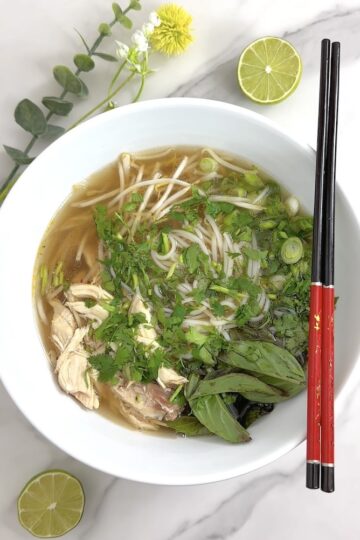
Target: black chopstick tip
313	475
327	478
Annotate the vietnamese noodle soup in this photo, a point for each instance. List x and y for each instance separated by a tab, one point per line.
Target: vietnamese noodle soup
172	289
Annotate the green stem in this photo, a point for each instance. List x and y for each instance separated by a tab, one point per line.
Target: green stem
141	88
5	187
116	76
102	102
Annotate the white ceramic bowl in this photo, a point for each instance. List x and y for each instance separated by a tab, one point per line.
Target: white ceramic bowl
23	219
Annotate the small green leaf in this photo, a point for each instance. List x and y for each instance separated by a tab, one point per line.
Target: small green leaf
68	80
30	117
83	40
84	62
53	132
18	156
212	412
84	89
56	105
188	425
120	17
104	29
105	56
135	4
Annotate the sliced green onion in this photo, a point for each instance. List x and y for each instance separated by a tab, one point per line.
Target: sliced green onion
208	165
253	179
292	250
44	277
277	282
171	270
292	206
165	243
176	393
267	224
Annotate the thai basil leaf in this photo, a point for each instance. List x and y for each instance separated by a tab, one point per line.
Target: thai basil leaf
52	132
84	62
18	156
291	389
188	425
191	385
56	105
105	56
120	17
248	386
265	359
30	117
212	412
68	80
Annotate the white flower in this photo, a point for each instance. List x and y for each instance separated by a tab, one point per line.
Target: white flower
147	29
122	50
154	19
140	41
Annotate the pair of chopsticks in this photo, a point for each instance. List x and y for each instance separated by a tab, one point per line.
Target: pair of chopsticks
320	404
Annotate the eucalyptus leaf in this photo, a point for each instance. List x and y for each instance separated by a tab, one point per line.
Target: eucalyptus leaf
188	425
84	89
68	80
120	17
212	412
52	131
56	105
135	4
30	117
83	40
18	156
105	56
265	359
84	62
104	29
248	386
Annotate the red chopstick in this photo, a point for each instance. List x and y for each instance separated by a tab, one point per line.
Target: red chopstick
320	405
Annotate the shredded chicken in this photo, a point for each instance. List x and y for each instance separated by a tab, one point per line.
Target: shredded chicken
63	325
77	291
145	333
74	374
169	378
94	313
147	402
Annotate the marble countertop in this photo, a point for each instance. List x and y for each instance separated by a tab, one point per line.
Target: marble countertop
272	502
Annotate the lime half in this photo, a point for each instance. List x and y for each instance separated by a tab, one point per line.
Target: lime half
269	70
51	504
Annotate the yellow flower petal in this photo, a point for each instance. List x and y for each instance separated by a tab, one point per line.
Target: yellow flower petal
173	35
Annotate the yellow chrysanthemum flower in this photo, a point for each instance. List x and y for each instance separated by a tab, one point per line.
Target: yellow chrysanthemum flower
173	35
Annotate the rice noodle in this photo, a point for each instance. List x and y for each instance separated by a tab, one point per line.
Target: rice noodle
81	247
158	263
146	183
193	238
121	175
171	251
240	202
41	311
157	291
142	207
166	207
95	200
214	251
261	195
167	192
224	163
218	235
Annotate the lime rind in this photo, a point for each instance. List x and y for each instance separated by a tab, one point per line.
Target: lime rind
284	75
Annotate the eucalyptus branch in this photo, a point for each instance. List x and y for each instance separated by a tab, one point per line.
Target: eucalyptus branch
31	118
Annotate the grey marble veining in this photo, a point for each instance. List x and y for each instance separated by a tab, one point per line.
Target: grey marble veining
272	502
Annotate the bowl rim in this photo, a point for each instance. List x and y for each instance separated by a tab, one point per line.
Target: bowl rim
91	125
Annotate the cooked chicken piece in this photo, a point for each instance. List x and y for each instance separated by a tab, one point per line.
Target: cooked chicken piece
95	313
63	325
73	371
77	291
130	415
147	401
168	378
145	332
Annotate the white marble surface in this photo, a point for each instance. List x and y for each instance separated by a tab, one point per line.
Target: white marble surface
270	503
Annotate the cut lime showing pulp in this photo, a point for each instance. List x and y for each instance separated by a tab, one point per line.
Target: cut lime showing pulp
51	504
269	70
